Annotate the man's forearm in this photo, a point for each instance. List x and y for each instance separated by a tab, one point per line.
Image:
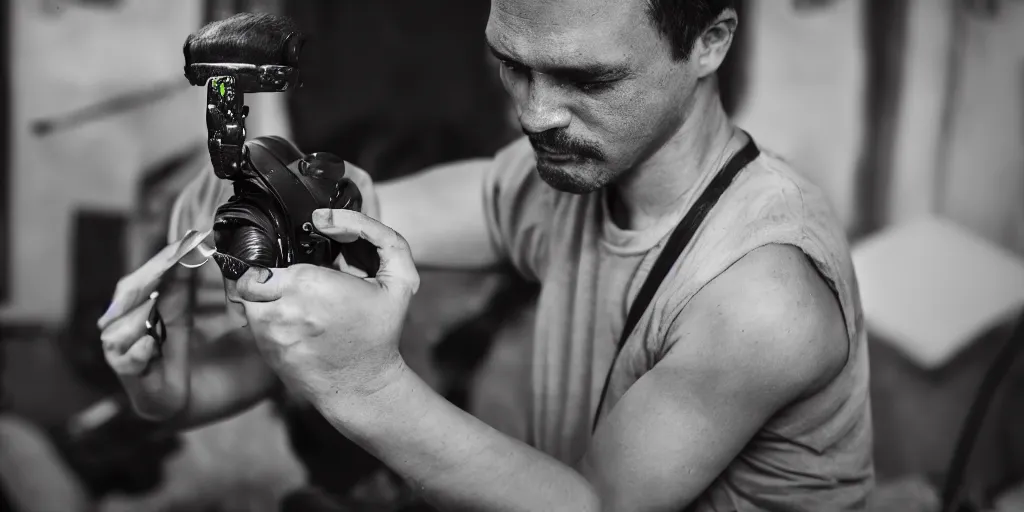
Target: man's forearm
224	378
227	378
455	460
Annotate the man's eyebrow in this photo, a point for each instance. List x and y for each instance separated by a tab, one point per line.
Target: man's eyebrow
583	72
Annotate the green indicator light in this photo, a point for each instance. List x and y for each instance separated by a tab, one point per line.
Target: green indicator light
222	89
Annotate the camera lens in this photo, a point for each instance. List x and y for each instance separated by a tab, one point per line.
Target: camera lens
253	246
243	230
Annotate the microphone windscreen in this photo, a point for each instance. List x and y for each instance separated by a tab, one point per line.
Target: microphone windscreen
245	38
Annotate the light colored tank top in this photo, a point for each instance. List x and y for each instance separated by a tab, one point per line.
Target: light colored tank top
815	454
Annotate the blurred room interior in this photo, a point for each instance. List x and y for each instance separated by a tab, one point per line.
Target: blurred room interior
908	113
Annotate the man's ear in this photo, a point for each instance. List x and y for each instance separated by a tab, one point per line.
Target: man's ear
713	45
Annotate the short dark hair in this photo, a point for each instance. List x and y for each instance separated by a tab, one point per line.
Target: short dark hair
683	21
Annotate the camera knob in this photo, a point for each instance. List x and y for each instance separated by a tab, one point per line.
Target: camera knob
326	159
329	164
322	165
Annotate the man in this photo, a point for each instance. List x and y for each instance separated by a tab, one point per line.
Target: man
743	385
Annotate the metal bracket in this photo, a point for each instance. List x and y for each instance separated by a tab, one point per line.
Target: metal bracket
225	126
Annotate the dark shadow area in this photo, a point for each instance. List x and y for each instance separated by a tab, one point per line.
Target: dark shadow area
385	80
733	73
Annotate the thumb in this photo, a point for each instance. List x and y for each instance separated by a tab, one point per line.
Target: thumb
397	270
259	284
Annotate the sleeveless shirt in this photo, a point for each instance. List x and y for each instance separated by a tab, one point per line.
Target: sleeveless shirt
816	454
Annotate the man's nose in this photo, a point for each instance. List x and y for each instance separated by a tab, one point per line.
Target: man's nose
541	108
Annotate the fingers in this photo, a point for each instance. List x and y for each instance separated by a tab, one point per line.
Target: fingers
136	359
260	284
397	269
119	336
127	296
133	289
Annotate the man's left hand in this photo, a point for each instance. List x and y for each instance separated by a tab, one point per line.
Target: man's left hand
327	332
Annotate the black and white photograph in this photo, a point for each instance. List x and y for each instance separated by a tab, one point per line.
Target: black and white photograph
512	255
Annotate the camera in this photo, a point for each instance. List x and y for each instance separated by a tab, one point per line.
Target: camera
267	220
276	187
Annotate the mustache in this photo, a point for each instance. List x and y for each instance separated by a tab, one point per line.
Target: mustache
559	141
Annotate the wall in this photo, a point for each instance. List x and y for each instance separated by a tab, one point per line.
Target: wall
981	179
65	60
959	116
924	96
804	98
961	138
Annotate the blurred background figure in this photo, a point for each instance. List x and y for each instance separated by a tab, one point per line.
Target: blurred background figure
907	113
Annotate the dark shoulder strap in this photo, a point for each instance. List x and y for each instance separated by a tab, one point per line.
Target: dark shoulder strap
674	247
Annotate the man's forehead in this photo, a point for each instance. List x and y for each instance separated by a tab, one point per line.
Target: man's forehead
542	12
567	27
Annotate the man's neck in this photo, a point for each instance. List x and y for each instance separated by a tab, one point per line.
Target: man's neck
655	188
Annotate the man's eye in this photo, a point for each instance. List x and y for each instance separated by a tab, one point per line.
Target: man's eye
595	87
512	66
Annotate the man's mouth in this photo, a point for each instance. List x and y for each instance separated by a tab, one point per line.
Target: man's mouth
554	156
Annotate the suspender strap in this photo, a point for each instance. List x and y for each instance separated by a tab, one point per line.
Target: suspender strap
677	242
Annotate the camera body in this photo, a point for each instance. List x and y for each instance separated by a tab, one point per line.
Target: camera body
268	220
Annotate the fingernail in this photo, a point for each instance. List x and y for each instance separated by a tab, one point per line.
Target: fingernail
231	267
264	274
106	314
322	217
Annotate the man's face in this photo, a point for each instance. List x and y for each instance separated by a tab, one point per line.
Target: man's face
593	82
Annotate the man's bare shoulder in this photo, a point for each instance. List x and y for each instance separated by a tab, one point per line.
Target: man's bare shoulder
773	317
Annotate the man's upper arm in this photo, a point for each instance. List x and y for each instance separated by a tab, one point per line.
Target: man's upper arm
472	214
761	335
